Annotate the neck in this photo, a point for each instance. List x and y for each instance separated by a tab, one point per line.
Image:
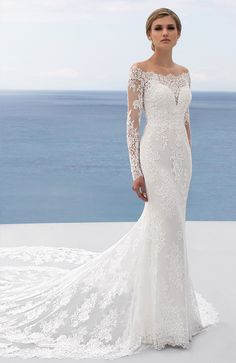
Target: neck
162	58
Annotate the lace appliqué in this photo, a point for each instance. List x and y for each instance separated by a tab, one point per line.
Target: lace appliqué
187	118
135	106
139	82
72	303
187	113
174	82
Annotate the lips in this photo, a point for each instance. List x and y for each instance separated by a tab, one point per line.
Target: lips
164	40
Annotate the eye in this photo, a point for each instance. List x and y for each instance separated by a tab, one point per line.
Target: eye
169	27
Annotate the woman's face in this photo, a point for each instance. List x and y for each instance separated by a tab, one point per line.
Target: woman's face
164	28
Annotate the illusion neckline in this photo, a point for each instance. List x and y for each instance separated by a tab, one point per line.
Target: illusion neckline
163	75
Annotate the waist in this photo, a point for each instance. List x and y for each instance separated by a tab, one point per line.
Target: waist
160	126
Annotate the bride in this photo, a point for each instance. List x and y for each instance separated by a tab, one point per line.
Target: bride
137	294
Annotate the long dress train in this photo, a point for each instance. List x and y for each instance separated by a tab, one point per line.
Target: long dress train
72	303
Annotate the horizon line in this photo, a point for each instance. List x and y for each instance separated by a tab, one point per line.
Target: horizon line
88	90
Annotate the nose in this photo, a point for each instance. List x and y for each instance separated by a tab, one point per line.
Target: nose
165	31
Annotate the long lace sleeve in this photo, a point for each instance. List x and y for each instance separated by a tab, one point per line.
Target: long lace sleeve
135	106
187	118
187	114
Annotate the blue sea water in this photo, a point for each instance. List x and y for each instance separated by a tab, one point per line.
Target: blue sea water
63	157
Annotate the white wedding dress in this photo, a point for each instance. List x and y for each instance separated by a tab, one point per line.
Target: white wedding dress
137	294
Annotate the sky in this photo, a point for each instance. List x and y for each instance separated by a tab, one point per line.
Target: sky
90	44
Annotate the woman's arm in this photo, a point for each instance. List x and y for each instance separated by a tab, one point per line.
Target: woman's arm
187	126
135	105
187	116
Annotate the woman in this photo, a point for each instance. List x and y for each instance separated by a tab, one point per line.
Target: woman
137	294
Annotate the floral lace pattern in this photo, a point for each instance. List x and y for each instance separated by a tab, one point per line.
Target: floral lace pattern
135	106
140	81
72	303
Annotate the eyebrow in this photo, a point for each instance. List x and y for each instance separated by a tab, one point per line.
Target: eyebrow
161	24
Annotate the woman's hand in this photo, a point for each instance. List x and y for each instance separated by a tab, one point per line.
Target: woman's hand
140	188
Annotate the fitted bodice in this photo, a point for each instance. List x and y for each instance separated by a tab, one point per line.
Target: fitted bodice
165	100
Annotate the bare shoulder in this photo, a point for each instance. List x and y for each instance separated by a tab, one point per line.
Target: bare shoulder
142	65
182	68
147	66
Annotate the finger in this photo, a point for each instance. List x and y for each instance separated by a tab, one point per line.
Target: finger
140	191
143	191
135	189
144	197
143	188
141	195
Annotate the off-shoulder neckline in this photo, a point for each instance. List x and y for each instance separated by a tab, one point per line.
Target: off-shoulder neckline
160	74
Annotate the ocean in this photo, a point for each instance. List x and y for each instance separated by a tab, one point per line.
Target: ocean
64	158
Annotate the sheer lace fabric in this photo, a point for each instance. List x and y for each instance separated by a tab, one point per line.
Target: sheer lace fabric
137	294
138	82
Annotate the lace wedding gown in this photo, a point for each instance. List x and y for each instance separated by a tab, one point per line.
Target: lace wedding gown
63	302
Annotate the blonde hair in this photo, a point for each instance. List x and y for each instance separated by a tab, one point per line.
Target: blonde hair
160	13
